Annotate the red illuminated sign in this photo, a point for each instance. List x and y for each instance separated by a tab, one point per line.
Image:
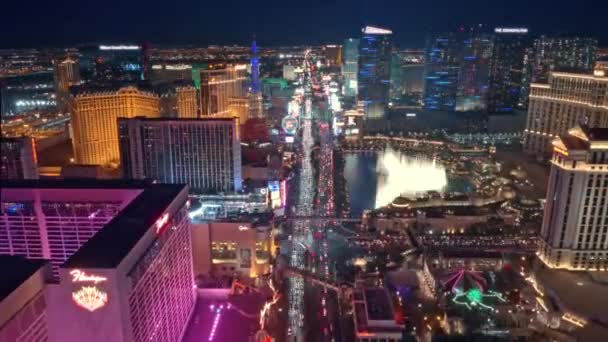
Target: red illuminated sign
161	222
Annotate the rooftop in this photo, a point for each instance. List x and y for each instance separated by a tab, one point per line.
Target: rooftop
112	243
15	271
378	304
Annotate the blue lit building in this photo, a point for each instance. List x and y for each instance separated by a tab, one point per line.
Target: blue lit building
350	66
441	73
473	78
374	71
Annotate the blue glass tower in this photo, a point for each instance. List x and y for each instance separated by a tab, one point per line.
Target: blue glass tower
441	73
350	66
374	71
255	69
256	106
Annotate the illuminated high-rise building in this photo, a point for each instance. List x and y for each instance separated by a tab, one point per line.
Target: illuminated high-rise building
574	235
572	54
567	100
18	158
239	108
507	77
350	66
95	134
547	54
23	303
442	67
375	71
203	153
187	102
218	84
121	254
66	75
473	77
332	54
256	101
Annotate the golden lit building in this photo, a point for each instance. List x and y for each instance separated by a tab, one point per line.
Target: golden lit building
219	84
574	234
567	100
239	109
95	132
66	73
256	106
187	106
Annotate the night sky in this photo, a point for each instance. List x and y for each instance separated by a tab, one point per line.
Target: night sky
46	23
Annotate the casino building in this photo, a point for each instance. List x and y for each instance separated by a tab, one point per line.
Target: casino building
120	254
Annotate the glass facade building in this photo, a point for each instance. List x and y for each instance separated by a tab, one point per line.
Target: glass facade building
441	73
507	77
203	153
374	71
457	71
350	66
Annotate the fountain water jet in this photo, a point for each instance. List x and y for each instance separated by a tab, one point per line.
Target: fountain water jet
399	174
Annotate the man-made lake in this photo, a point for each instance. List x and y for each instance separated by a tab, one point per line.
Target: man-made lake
376	179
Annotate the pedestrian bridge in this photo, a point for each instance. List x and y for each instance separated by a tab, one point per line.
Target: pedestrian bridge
313	278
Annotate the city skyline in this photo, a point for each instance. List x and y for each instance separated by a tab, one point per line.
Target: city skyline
275	23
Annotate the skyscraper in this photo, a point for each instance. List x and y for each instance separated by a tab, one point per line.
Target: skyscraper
256	105
203	153
442	66
187	102
95	137
573	54
567	100
121	254
219	83
547	54
574	234
18	158
507	77
350	66
375	71
66	74
332	54
473	77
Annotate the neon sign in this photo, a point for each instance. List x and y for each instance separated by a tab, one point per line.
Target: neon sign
241	228
160	223
511	30
79	276
90	298
118	47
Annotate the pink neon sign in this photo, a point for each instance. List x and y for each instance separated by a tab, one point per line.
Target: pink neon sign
90	298
79	276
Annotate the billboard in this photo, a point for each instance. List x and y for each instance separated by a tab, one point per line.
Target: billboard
274	193
290	125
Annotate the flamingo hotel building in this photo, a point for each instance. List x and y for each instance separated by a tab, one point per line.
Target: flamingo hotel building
118	260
